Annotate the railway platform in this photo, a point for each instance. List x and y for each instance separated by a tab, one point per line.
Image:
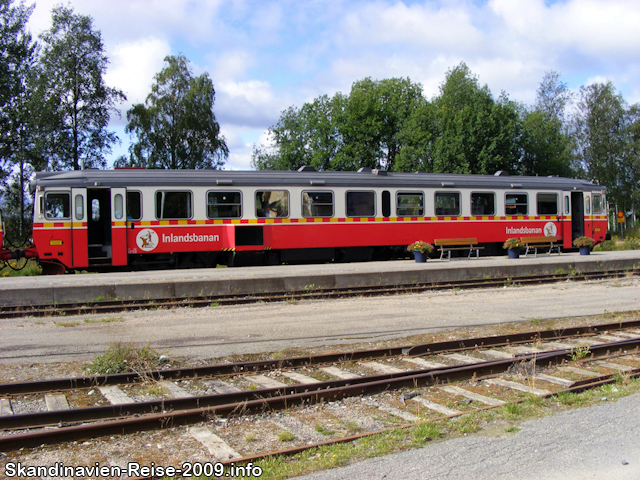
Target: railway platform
253	280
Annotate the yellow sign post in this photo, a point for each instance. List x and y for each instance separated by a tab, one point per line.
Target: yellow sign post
621	218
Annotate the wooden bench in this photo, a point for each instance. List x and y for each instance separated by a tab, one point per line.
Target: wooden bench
540	242
450	244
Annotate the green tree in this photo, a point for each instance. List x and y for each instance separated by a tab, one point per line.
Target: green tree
553	96
16	206
305	136
176	126
547	150
417	137
72	101
476	134
17	56
601	125
363	129
372	120
546	141
631	167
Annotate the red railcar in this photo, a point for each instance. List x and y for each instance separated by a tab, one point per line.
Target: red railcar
131	219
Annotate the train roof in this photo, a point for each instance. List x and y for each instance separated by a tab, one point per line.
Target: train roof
305	177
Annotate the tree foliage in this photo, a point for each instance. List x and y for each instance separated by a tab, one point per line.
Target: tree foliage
73	103
547	146
17	56
601	134
176	126
476	134
370	123
546	149
553	96
363	129
305	136
630	175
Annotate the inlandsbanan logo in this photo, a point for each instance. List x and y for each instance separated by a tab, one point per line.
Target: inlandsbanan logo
550	229
147	239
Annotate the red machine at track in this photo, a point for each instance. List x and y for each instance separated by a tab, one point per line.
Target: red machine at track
7	254
137	219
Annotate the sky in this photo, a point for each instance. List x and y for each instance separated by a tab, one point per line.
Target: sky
264	56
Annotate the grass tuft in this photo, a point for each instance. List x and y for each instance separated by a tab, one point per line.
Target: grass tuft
427	431
286	436
124	357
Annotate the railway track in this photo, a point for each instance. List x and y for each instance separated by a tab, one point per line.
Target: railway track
114	306
381	388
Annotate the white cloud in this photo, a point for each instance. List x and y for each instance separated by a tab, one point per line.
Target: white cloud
596	79
240	141
129	19
419	25
593	28
133	66
230	65
251	103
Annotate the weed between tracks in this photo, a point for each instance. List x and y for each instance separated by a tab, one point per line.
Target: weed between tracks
123	357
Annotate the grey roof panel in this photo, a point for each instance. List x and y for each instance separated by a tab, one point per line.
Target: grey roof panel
269	178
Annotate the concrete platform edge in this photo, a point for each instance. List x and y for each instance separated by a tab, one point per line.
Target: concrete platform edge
404	273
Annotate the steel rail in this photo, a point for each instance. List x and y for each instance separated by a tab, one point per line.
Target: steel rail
278	399
115	306
41	386
577	387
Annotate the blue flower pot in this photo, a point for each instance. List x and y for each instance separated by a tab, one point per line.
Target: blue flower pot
419	256
514	252
585	250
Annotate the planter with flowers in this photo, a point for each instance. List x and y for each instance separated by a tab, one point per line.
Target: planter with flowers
420	250
513	246
584	244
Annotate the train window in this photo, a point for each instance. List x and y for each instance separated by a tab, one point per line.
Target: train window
361	204
567	205
272	203
516	204
118	211
447	204
597	203
547	204
587	205
57	206
224	204
386	204
95	210
410	204
483	204
79	204
173	205
134	205
317	204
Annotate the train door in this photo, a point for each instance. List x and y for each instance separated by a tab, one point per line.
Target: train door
79	240
577	215
99	226
119	226
588	215
566	222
